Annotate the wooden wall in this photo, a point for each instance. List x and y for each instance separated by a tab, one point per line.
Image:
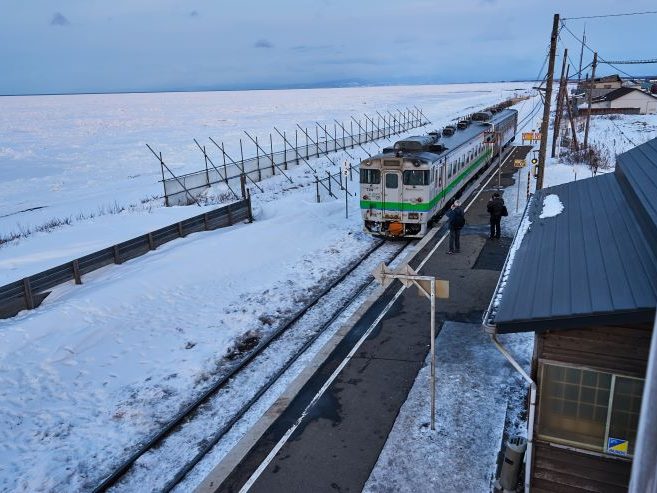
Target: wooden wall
622	350
567	471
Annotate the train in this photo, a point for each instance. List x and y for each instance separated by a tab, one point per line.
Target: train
405	187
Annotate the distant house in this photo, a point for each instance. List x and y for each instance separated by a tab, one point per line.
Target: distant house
600	85
625	100
585	281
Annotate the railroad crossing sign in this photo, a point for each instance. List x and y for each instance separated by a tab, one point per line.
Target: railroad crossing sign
519	163
430	287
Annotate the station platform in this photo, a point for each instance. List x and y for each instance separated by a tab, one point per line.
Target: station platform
329	430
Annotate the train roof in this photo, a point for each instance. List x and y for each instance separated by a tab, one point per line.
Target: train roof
452	142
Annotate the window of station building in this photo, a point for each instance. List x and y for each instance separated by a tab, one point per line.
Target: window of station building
416	177
370	176
590	409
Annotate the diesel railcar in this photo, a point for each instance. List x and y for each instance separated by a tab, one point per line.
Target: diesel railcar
403	188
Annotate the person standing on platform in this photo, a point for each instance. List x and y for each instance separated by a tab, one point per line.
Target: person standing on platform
497	210
456	220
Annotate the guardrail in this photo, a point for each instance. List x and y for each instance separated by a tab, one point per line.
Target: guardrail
29	292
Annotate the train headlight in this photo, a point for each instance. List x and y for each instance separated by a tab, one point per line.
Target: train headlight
365	197
419	199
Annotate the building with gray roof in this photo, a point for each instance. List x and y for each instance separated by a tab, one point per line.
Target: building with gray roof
585	281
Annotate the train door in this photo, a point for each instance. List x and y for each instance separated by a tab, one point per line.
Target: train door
442	180
392	195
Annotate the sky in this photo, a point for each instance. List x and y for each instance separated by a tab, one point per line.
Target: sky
69	46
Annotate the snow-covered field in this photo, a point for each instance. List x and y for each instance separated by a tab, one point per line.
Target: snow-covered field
98	366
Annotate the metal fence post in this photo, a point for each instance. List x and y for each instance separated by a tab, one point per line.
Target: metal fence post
243	185
27	290
225	168
271	154
317	188
207	173
248	205
116	254
76	271
351	137
242	156
285	150
258	159
329	183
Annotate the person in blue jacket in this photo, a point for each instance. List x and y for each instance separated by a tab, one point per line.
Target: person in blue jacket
456	220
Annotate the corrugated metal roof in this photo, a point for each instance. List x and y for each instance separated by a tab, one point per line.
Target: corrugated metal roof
595	262
619	93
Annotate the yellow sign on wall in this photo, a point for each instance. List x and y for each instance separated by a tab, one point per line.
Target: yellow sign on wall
519	163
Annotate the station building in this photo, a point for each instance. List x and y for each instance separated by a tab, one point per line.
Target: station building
585	281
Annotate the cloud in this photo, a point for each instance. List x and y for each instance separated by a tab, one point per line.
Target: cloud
303	48
263	43
193	13
59	20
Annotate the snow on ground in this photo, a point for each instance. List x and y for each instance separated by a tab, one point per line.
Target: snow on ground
97	367
474	386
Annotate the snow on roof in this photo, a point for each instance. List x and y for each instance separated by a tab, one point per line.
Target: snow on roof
619	93
552	206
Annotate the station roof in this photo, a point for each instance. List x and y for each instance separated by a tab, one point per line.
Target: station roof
595	263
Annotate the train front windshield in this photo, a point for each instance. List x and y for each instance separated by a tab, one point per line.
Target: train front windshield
370	176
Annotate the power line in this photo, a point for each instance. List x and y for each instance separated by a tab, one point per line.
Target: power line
610	15
600	59
623	133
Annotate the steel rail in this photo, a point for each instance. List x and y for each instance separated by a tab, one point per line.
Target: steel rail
113	478
208	444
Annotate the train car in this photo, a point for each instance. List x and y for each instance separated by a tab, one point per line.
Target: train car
403	188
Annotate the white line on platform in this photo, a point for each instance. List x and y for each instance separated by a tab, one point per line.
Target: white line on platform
263	465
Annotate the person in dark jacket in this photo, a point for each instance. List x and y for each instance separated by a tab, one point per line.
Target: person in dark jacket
456	220
496	209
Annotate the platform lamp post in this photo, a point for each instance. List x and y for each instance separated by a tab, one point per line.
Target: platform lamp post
430	287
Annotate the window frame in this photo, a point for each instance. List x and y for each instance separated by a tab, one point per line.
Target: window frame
409	172
367	172
603	449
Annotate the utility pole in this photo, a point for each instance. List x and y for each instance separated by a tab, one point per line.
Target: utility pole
546	106
557	116
572	122
581	55
590	97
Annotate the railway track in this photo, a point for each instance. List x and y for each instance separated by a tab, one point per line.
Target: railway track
221	407
207	412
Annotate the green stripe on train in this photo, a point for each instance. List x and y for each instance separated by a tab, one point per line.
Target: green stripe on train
427	206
